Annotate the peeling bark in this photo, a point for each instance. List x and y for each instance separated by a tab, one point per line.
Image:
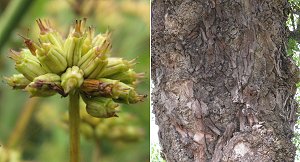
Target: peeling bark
224	87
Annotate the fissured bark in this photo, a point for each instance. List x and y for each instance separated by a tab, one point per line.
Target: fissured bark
224	87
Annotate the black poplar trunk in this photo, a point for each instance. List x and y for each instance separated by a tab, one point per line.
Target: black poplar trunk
224	86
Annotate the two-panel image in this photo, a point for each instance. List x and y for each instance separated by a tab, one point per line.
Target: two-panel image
149	81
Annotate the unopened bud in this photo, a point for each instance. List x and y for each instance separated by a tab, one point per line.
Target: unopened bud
45	85
17	81
128	95
119	91
87	43
27	64
71	79
101	107
49	34
73	44
95	61
52	58
128	77
103	87
115	66
101	38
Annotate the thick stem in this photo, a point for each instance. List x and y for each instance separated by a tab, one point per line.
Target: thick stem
74	120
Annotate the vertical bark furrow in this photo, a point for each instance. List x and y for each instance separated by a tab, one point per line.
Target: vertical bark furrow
224	86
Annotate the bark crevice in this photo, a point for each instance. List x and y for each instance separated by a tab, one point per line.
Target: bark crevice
224	87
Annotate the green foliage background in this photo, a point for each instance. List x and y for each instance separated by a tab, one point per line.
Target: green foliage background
293	50
45	138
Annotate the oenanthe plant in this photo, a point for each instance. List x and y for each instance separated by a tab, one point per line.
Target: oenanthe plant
78	66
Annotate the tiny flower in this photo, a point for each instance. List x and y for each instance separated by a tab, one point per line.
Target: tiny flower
17	81
45	85
51	58
73	44
27	64
94	61
101	107
72	79
128	77
128	95
116	65
115	89
93	87
101	38
88	42
49	34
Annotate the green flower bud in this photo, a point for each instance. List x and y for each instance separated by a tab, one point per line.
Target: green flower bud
123	93
52	58
101	38
128	77
49	77
115	66
71	79
45	85
119	91
85	117
27	64
93	87
101	107
39	90
17	81
127	94
99	66
94	61
73	44
72	48
49	35
87	43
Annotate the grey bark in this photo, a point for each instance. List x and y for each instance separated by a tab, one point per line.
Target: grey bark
224	87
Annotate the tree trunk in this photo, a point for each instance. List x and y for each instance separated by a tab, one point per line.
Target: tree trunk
224	87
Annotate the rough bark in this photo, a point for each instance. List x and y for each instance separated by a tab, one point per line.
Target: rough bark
224	87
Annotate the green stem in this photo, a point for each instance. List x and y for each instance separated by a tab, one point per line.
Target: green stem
74	120
11	17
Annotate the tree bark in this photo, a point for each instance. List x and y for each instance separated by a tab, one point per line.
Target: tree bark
224	87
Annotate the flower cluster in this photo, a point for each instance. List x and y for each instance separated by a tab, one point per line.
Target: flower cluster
80	63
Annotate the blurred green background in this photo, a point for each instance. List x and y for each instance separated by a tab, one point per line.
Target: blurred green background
33	129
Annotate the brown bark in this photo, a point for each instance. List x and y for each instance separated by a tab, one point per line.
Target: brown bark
224	86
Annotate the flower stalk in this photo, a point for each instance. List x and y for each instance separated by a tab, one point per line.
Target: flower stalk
74	121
